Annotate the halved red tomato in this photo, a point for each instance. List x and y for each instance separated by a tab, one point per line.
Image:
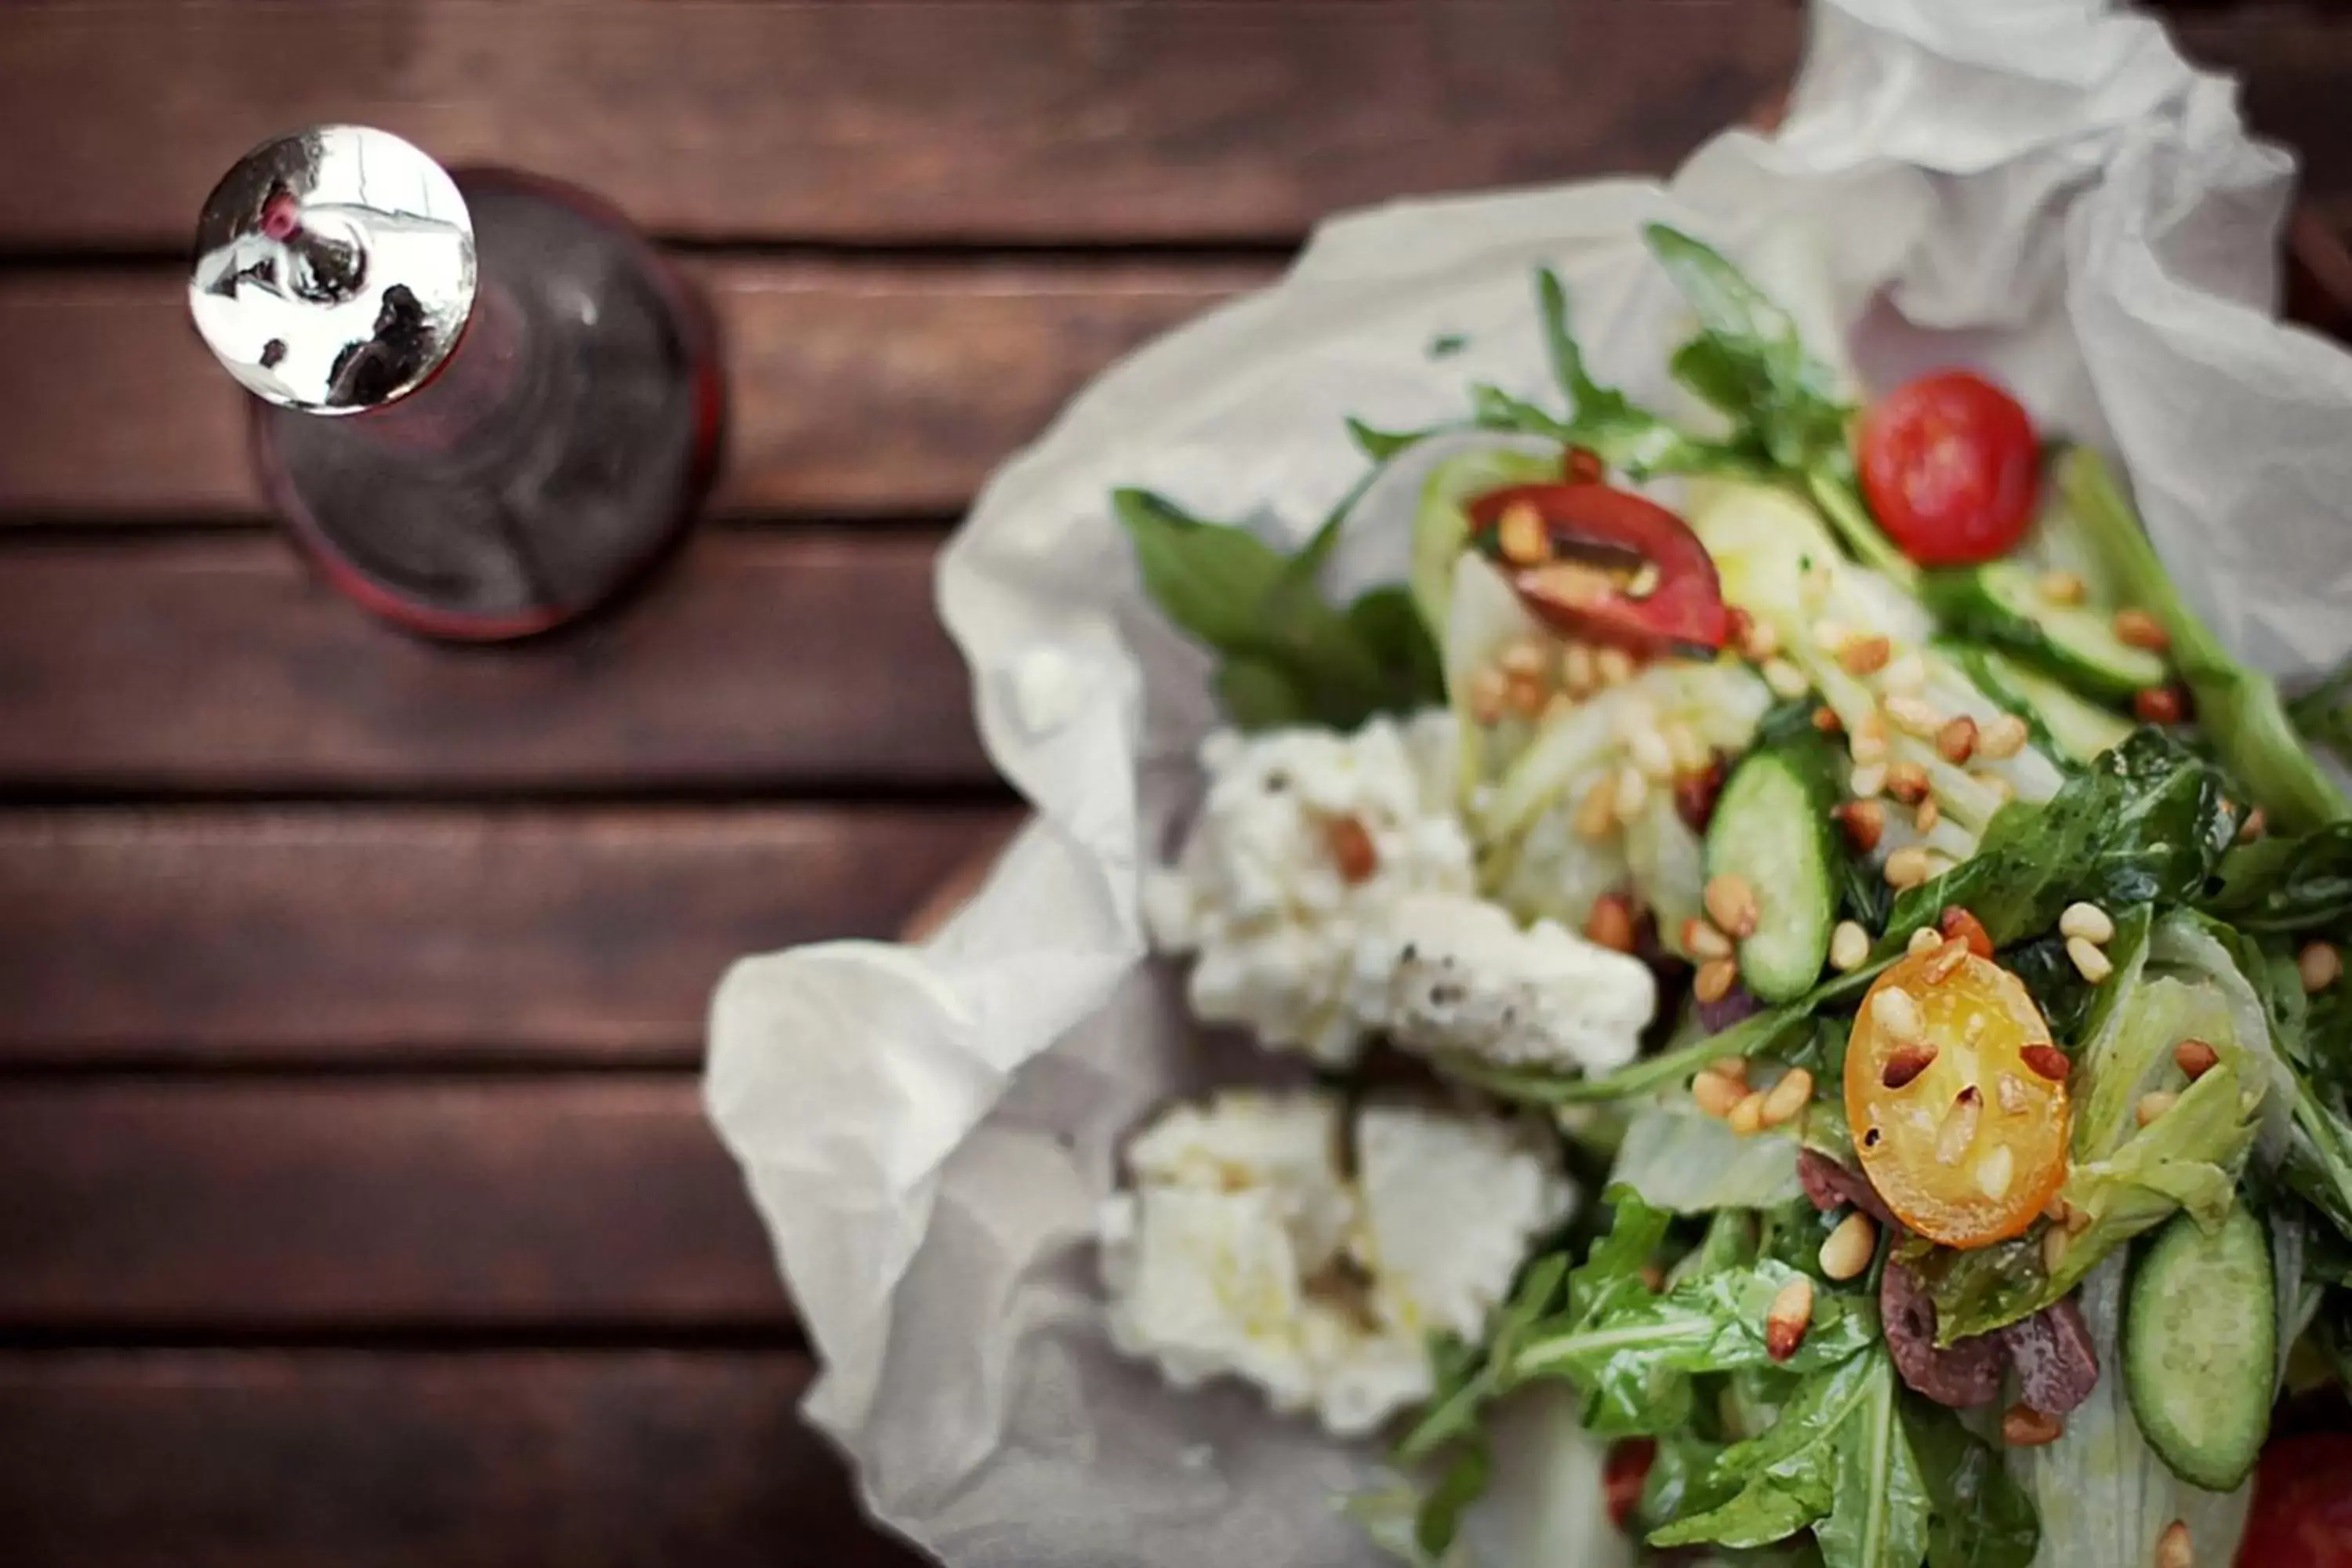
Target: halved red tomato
1951	468
1605	563
2302	1515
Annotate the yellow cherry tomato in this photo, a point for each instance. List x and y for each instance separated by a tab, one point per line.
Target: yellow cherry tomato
1957	1097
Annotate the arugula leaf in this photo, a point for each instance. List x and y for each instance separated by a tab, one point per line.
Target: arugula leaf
1979	1516
2145	824
1764	1034
1286	656
1379	444
2286	882
1839	1460
1469	1377
2238	707
2324	713
1462	1484
1445	345
1632	1351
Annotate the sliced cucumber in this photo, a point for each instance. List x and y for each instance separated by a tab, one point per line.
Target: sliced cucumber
2002	603
1441	527
2200	1347
2074	726
1772	829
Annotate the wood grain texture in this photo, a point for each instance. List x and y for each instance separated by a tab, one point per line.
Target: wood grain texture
268	1205
399	936
897	120
855	388
217	663
490	1460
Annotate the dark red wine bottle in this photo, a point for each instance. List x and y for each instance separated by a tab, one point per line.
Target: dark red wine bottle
485	403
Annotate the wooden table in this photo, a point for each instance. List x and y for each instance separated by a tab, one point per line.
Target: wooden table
356	1205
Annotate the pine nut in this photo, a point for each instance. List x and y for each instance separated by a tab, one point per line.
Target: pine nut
1913	716
2048	1061
2062	587
1826	720
1579	670
2160	705
2153	1104
2089	962
1633	794
1651	754
1960	1126
1864	822
1849	947
2054	1244
1865	654
1907	1062
2023	1427
2195	1057
1957	739
1733	1068
2319	964
1528	696
1907	867
1939	968
1560	705
1701	940
1614	665
1689	754
1715	979
2001	788
1850	1247
1792	1314
1866	779
1787	1099
1907	782
1995	1171
2009	1093
1571	583
2253	826
1924	939
1746	1118
1489	689
1521	535
1731	903
2001	736
1761	640
2137	628
1716	1094
1830	636
1610	924
1524	657
1957	921
1906	677
1784	680
1924	820
2088	922
1868	744
1596	814
1643	581
2172	1549
1896	1015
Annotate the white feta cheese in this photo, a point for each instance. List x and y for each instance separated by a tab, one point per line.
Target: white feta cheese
1243	1250
1305	841
1450	974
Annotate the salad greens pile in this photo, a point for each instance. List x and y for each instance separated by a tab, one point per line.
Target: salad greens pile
2171	896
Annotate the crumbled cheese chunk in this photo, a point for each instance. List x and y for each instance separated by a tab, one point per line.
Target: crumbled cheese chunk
1450	974
1243	1251
1307	838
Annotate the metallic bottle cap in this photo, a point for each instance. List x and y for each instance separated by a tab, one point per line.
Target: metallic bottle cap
334	270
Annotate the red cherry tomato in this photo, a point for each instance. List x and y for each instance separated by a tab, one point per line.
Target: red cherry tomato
1951	468
2302	1515
1626	1472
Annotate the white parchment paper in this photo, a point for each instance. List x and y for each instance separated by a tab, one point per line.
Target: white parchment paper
2039	187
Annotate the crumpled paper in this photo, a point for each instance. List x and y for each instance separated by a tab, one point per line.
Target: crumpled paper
2041	187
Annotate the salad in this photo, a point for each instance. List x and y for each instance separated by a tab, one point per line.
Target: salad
1815	973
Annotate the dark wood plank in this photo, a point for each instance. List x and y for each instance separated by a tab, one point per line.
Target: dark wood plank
217	663
897	120
858	388
2294	62
493	1460
267	1205
408	935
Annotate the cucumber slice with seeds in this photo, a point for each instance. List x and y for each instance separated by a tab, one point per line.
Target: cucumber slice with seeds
2003	603
1772	827
2200	1347
2074	726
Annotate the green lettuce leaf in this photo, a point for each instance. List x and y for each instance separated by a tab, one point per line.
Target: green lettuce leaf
1681	1159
